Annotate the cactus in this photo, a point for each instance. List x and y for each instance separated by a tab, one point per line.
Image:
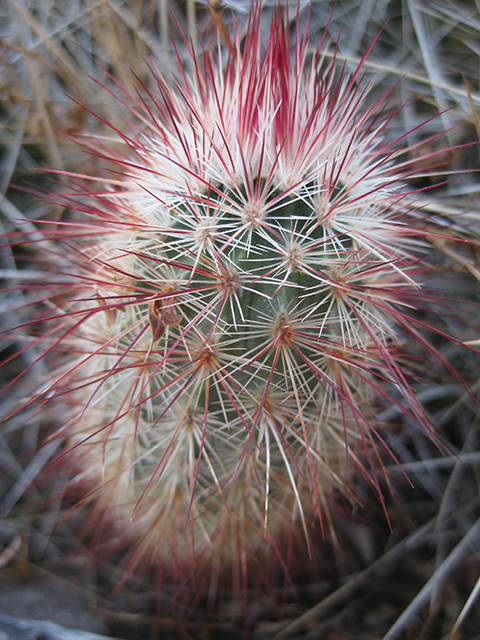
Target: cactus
239	287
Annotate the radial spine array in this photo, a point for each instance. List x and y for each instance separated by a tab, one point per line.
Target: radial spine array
240	284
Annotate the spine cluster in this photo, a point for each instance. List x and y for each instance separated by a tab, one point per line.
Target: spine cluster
241	282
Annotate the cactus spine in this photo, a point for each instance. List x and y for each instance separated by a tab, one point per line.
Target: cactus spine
239	291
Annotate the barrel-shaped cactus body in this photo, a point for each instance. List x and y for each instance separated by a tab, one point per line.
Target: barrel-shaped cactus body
240	284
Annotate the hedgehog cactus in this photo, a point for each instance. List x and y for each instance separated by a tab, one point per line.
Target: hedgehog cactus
239	287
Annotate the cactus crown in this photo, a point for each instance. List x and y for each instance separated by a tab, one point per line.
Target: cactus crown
241	286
